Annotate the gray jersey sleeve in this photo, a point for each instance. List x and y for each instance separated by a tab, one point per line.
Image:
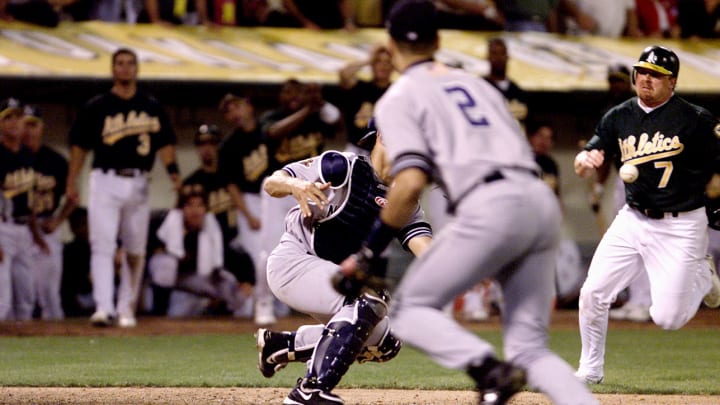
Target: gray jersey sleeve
417	226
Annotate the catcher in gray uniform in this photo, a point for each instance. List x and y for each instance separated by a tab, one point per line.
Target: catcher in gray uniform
445	124
339	194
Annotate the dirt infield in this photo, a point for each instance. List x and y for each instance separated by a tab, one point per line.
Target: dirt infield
164	326
253	396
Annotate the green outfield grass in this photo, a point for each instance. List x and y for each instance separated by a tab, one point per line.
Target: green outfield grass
638	361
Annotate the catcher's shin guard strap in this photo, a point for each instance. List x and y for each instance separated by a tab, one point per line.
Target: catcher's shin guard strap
342	341
385	350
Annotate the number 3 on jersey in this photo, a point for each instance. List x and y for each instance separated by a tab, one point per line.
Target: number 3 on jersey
467	105
144	144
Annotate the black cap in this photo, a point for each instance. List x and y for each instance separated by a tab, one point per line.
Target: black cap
9	105
368	140
413	21
619	72
207	134
32	113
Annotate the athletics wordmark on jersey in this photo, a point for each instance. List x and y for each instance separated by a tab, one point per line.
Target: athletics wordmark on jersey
256	163
118	127
299	147
18	182
644	149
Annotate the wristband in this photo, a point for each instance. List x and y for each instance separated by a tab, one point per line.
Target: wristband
380	236
172	168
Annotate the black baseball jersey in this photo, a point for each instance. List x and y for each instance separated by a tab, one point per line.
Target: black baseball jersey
674	148
123	134
18	180
360	101
245	161
509	90
50	176
219	200
307	141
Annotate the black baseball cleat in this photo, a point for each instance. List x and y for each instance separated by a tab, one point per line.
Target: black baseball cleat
273	350
497	381
302	395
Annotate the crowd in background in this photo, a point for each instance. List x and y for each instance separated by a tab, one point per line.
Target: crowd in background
616	18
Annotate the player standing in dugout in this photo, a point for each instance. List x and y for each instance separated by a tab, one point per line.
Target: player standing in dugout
125	128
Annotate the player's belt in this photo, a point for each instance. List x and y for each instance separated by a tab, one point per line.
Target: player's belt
493	176
130	172
657	214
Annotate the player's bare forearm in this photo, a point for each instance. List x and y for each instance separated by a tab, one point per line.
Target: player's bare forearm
280	184
167	154
61	215
277	184
587	162
238	199
289	124
36	235
403	197
419	245
348	73
169	158
77	160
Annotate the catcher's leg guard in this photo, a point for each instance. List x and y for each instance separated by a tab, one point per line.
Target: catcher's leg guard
342	341
385	350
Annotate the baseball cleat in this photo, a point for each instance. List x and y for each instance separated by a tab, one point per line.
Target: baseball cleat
273	351
589	379
101	318
497	381
302	395
630	312
127	321
712	298
265	312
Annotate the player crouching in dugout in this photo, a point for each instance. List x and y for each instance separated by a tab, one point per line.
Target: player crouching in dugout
338	194
189	260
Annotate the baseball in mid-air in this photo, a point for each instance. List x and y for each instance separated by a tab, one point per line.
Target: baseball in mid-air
629	173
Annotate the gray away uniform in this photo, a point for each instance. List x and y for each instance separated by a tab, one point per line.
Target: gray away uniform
301	266
506	224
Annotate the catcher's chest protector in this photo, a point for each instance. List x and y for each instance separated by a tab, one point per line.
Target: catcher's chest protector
342	232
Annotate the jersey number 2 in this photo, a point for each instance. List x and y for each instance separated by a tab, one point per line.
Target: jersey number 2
467	105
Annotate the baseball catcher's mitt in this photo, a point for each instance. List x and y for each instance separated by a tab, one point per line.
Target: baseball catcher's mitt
368	277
